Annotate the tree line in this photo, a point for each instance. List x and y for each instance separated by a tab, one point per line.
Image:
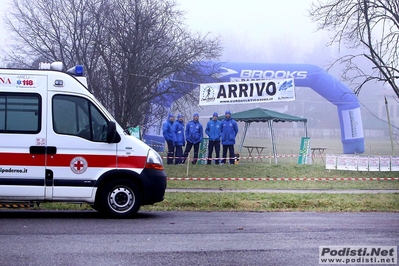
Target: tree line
131	50
140	56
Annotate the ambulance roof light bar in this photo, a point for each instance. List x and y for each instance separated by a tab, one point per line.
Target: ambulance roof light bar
53	66
76	70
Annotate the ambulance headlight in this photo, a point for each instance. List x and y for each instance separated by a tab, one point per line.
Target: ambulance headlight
154	160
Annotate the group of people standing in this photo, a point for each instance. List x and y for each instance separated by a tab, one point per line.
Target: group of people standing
178	135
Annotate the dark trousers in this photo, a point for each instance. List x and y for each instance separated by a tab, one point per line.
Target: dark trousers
231	153
213	144
171	152
188	149
179	154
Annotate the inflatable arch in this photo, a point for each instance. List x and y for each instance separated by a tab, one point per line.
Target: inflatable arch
311	76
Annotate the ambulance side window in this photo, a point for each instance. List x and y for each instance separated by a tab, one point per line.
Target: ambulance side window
77	116
20	113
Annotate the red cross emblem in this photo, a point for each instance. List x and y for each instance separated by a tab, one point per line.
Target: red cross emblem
78	165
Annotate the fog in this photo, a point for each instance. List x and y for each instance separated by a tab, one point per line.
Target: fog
282	32
277	32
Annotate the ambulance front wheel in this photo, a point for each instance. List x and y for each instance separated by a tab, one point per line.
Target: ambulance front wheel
120	198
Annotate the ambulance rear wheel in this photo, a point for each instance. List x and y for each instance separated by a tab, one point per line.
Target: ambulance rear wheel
120	198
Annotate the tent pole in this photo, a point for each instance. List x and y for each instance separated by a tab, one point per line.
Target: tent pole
270	122
243	136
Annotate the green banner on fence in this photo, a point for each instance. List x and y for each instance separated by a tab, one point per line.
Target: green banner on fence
134	131
304	151
203	151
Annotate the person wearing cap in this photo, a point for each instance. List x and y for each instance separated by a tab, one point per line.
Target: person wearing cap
178	138
194	135
229	130
167	134
213	131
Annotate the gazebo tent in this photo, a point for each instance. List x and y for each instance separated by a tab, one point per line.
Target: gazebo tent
264	115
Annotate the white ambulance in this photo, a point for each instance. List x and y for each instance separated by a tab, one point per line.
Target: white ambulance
59	144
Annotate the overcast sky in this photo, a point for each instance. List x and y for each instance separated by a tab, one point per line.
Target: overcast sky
254	26
254	18
250	30
3	33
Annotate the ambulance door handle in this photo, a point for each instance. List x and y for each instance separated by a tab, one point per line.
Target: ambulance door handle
49	177
42	150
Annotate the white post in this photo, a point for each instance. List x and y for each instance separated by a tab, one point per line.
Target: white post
389	125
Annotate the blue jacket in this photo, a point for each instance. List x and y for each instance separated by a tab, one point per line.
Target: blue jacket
167	130
229	129
194	132
178	133
213	129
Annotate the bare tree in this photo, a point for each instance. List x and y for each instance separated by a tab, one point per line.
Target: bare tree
139	54
371	24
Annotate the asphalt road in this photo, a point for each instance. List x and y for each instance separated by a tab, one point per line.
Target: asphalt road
186	238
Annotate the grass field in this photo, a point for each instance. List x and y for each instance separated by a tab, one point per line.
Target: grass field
282	170
267	202
250	201
287	167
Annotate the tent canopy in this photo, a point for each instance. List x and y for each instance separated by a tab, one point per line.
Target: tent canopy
264	115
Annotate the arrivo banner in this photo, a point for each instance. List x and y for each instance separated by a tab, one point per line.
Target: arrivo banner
247	92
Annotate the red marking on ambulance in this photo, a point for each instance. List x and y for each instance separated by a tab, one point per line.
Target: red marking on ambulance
78	165
4	80
64	160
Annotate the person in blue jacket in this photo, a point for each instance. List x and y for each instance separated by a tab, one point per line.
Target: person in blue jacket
167	134
194	136
178	138
213	131
229	129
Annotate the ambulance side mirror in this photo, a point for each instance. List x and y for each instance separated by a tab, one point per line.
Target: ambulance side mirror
112	135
